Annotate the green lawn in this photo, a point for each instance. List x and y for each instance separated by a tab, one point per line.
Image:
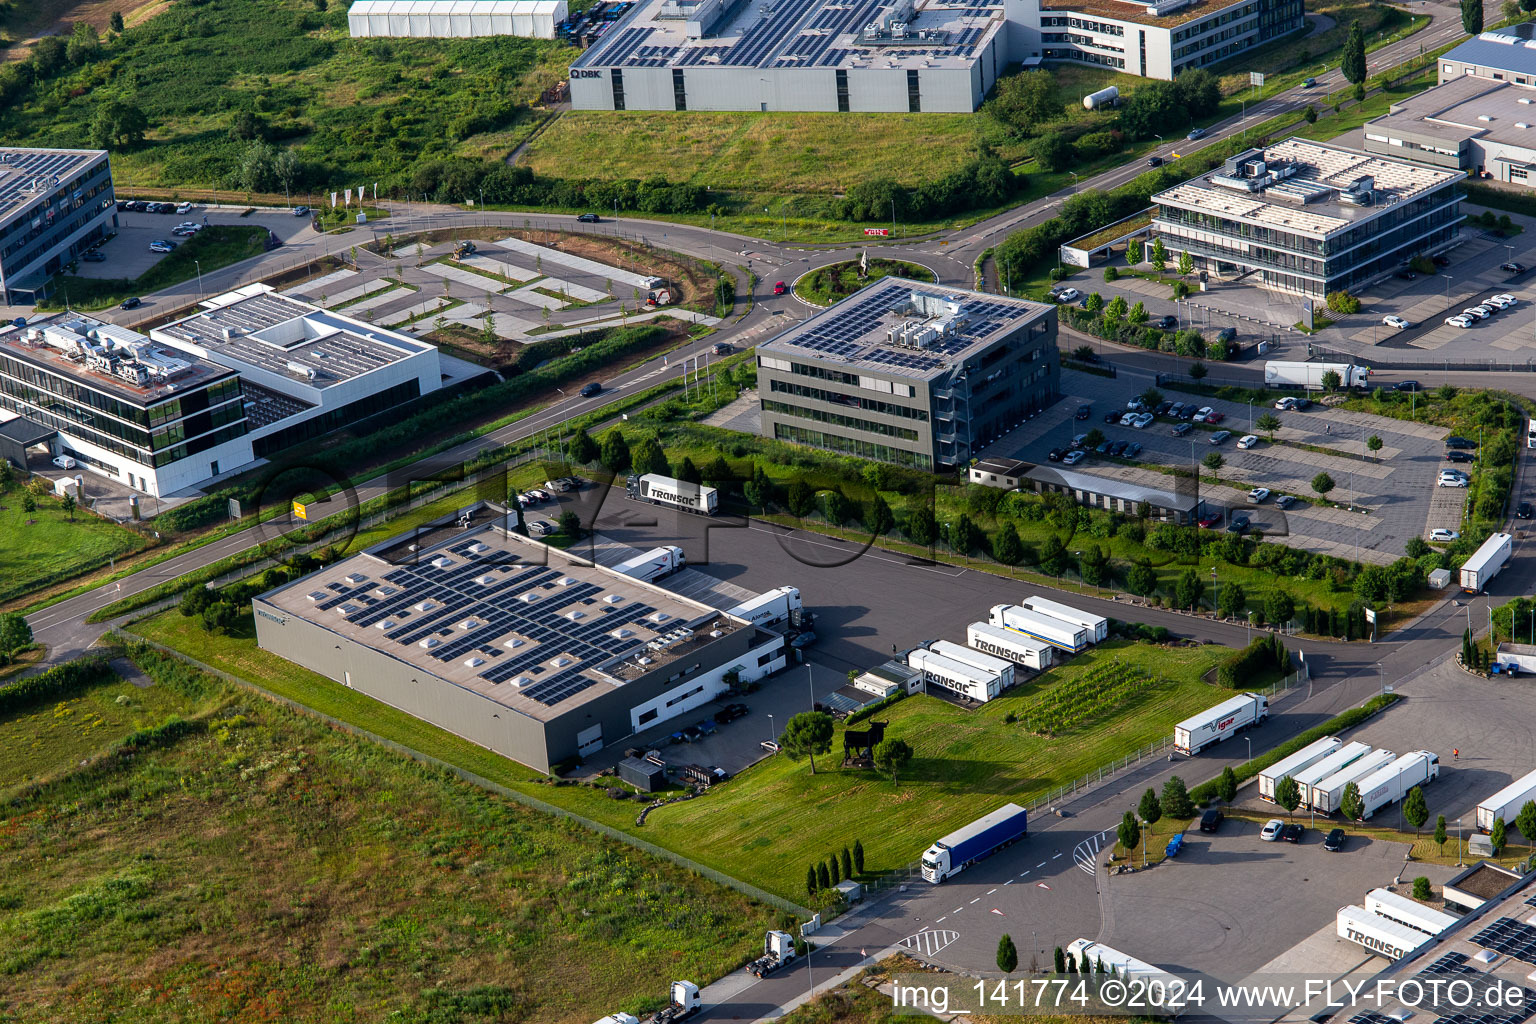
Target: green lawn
44	547
968	762
826	285
265	867
216	246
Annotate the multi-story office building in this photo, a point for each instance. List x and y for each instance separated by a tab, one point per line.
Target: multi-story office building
914	374
525	649
122	405
54	204
895	55
1309	219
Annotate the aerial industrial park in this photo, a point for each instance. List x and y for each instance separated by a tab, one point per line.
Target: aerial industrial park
544	511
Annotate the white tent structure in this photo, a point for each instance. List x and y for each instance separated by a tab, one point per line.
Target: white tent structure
454	19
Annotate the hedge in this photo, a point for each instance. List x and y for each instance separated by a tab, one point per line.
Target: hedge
56	683
1206	791
879	705
1261	654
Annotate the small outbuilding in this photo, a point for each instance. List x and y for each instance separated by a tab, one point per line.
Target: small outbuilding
645	776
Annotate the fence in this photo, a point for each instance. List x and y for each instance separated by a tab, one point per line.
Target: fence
476	780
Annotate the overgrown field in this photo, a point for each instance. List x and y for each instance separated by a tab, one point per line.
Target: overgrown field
966	763
42	546
253	864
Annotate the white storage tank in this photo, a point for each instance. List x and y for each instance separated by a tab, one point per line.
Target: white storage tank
1103	98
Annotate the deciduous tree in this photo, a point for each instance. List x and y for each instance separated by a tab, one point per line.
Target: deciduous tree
1288	794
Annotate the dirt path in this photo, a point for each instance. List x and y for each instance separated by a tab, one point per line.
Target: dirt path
34	19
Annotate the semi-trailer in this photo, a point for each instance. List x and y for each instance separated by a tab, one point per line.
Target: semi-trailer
1391	782
673	493
1506	803
1225	719
776	607
1310	375
778	951
973	683
988	663
1325	795
1382	937
1123	965
1061	635
653	564
1410	913
1304	758
976	841
1096	625
1486	562
1010	644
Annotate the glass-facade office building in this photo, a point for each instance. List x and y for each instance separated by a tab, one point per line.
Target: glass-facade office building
54	205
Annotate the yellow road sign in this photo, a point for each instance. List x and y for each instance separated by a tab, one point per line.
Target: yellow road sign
300	511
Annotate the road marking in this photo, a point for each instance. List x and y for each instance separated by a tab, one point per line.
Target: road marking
991	891
1058	855
957	910
1041	864
929	942
1009	882
1023	873
942	919
976	900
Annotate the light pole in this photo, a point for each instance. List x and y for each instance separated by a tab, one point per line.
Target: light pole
811	682
1074	181
1458	842
893	216
772	733
1249	741
199	267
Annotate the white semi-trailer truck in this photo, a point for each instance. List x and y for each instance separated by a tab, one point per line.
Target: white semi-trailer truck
1382	937
1486	562
674	493
1325	795
1061	635
1010	644
1310	375
989	663
1096	625
1304	758
1401	910
1391	782
1225	719
654	564
1506	803
776	607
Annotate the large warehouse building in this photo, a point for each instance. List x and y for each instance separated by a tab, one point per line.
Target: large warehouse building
909	373
529	651
1500	55
1307	218
1470	123
455	19
54	205
894	55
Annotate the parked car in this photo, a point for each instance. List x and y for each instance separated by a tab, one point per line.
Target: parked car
1507	299
1459	456
1285	501
1180	429
1166	322
1188	413
1449	478
1513	268
1116	447
64	462
1078	440
1238	523
1271	830
183	208
1445	536
92	256
1211	820
161	245
590	388
1459	321
1407	275
1396	322
1142	420
301	211
1258	495
1133	450
779	287
1084	411
1248	441
731	712
543	528
588	218
1127	419
771	746
1227	334
1113	416
808	637
1293	832
1220	436
1333	842
1455	441
1209	520
1073	458
1524	510
1102	448
1497	302
130	304
1162	408
1286	404
1068	295
1477	312
1054	455
1176	410
1440	259
1202	412
1215	417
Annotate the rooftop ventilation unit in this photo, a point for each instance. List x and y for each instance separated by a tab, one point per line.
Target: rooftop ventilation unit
385	624
1524	99
318	595
442	561
429	643
353	579
512	643
308	372
612	599
473	662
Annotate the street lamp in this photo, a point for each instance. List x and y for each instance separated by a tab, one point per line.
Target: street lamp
199	267
1249	741
1074	181
772	733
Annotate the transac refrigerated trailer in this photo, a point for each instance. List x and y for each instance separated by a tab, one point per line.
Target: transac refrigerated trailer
1325	795
770	609
653	564
1382	937
1409	913
1225	719
1506	803
1010	644
988	663
949	674
1485	563
1115	962
981	838
1096	625
674	493
1391	782
1279	374
1304	758
1046	628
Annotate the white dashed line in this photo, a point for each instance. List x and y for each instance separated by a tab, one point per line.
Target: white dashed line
976	900
1058	855
1023	873
1041	864
957	910
1009	882
991	891
942	919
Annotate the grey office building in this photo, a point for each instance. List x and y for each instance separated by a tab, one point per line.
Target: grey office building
54	204
909	373
534	653
1308	218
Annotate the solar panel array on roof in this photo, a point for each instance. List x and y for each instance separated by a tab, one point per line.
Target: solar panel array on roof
1450	964
1510	937
1372	1017
24	174
1506	1014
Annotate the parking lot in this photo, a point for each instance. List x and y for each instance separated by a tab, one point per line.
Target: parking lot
1395	486
128	256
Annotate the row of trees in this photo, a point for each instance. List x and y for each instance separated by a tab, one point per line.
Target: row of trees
827	873
1174	802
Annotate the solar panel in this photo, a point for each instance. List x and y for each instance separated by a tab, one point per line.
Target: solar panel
1510	937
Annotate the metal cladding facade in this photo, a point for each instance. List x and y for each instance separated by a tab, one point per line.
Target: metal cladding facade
455	19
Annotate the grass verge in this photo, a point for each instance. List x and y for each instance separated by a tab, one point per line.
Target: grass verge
213	247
